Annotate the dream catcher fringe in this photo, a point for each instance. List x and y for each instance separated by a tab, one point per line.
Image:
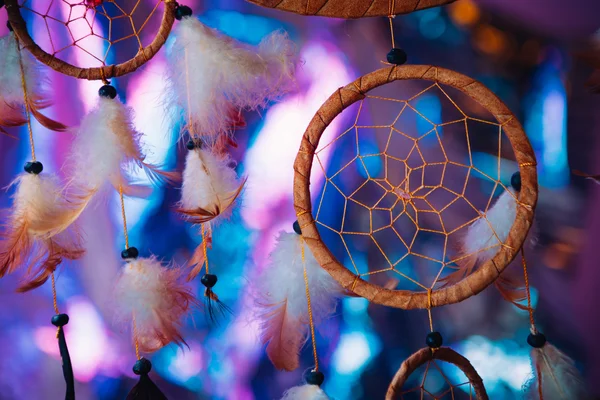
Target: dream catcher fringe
145	389
292	277
158	300
210	73
18	69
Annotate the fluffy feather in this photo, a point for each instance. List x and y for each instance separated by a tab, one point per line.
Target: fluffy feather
157	300
39	234
556	375
281	299
210	186
12	102
210	72
305	392
105	148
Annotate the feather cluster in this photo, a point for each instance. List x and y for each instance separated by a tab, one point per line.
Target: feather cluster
157	300
305	392
555	376
106	146
12	99
282	303
210	73
39	233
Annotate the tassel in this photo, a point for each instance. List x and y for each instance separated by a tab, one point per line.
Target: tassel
156	298
282	302
105	147
12	100
555	376
60	320
210	186
214	306
145	389
39	234
210	72
310	391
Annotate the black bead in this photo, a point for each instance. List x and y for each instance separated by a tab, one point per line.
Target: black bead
182	11
142	366
536	340
434	340
297	228
190	145
131	252
60	319
209	280
397	56
33	167
315	378
515	181
108	91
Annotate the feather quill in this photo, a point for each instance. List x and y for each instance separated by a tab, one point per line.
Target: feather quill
105	148
157	300
282	304
305	392
554	376
39	234
209	73
12	100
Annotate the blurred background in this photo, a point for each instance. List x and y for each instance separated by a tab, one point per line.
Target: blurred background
523	51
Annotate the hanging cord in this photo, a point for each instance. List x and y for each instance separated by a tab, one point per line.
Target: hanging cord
310	314
391	17
204	247
26	100
528	293
429	309
124	217
55	302
137	345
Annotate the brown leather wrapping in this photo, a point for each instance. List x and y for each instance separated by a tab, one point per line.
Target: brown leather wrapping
423	356
350	8
97	73
484	275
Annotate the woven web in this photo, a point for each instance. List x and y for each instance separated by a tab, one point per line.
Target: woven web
434	384
88	35
420	163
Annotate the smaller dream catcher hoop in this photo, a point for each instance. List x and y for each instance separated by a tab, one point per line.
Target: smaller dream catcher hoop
429	357
490	257
351	9
91	29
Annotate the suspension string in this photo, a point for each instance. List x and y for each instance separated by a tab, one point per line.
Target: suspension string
204	246
135	339
429	309
310	314
54	301
26	100
124	216
391	17
528	292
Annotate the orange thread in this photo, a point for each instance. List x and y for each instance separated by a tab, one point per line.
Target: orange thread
124	217
135	338
528	292
310	314
429	309
204	248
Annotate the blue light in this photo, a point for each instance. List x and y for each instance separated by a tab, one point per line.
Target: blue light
246	28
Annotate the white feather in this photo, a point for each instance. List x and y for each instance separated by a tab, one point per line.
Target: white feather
281	297
305	392
11	89
210	73
480	239
209	179
37	196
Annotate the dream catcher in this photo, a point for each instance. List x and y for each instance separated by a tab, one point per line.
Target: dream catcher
212	78
446	198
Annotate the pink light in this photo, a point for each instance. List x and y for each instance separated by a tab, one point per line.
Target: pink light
186	364
270	160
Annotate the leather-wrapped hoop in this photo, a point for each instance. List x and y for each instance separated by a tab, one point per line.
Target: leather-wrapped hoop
350	9
96	73
487	273
425	355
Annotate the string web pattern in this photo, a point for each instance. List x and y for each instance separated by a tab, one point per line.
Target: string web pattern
407	178
434	384
92	33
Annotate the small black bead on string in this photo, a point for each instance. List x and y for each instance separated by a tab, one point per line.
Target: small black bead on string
396	55
214	306
536	340
145	388
33	167
107	91
182	12
296	227
315	377
130	253
60	320
434	340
